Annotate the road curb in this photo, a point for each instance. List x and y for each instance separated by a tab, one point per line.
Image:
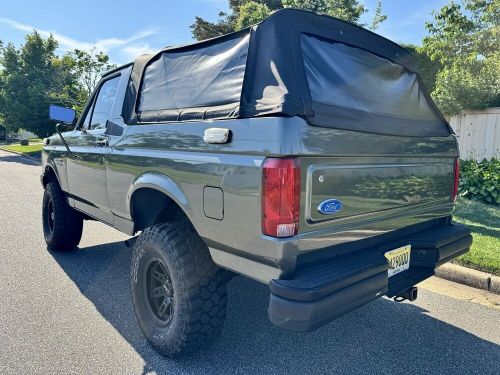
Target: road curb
470	277
39	161
495	284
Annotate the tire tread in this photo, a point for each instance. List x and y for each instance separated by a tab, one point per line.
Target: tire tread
68	222
203	284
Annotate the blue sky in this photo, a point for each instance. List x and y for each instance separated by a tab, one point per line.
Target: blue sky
126	28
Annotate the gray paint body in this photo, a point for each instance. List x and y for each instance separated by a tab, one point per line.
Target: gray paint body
385	182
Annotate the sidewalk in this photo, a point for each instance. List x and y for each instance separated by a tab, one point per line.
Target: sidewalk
461	292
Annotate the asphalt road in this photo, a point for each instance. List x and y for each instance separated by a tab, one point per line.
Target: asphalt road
72	313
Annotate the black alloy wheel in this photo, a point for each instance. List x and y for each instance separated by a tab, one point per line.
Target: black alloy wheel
160	291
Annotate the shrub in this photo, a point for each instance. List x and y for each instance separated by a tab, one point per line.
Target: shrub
480	180
25	142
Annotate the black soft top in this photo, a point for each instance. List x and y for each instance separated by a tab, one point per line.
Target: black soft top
294	63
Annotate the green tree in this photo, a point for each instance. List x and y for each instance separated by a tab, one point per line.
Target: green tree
244	13
10	77
33	77
2	85
468	83
68	92
251	13
27	77
378	17
89	66
203	29
348	10
465	38
427	68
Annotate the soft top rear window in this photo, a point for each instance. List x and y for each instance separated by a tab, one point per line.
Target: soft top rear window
353	88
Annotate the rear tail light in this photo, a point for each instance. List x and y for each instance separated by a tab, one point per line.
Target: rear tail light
280	197
456	175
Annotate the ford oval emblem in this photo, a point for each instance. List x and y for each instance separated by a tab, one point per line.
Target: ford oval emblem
330	206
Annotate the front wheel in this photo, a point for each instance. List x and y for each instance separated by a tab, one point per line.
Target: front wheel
62	225
179	294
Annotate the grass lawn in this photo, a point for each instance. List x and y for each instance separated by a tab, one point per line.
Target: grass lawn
32	149
484	222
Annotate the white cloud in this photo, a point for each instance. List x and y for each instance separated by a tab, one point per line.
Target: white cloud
126	46
110	43
65	42
131	51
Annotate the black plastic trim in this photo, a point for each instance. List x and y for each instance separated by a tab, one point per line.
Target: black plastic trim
307	316
326	278
439	237
322	291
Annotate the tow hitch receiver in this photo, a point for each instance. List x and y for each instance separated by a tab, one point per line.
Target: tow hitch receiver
409	294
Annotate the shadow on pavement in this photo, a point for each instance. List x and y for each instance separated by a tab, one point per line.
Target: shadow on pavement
381	337
14	158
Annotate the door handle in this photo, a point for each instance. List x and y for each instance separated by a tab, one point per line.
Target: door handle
217	135
102	142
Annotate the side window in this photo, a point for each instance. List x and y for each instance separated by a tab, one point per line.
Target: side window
103	105
86	122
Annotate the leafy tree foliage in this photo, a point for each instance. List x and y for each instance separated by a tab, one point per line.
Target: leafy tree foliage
465	38
89	66
67	90
203	29
469	84
349	10
227	22
427	68
244	13
32	77
378	17
27	77
251	13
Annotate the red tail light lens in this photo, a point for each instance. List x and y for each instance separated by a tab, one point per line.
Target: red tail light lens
280	197
456	176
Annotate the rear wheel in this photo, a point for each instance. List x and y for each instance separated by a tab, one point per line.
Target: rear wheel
62	225
179	294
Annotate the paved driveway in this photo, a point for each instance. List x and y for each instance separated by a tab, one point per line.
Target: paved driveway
72	313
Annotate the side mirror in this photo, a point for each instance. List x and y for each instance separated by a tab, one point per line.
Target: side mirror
62	114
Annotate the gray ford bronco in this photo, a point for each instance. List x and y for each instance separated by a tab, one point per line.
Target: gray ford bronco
303	152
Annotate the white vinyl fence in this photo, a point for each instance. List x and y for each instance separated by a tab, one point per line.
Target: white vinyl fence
478	133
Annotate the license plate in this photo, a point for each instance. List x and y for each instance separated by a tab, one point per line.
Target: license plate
399	260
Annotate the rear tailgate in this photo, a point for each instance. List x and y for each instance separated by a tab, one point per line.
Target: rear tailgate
365	188
375	183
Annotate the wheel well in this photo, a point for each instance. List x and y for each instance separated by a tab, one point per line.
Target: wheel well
48	176
151	206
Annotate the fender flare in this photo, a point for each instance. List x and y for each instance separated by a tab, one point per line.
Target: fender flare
163	184
48	168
